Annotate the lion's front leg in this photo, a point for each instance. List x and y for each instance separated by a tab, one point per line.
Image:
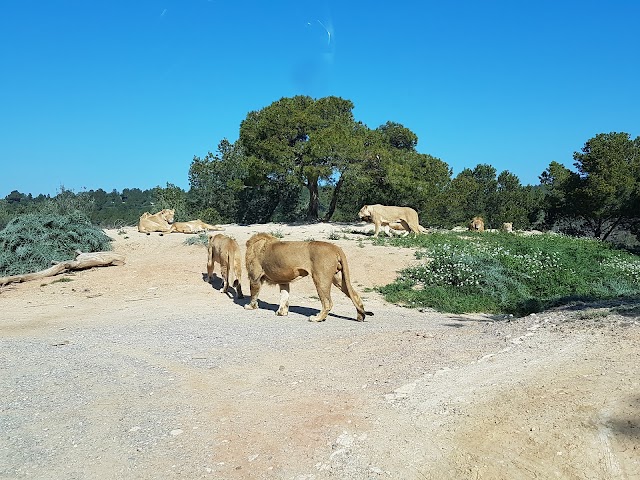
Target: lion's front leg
376	228
255	290
283	310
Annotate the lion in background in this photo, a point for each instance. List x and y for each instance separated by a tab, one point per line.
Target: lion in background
270	260
397	218
192	226
158	222
476	224
226	252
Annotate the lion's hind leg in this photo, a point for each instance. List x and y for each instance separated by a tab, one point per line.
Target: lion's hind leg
340	282
410	228
238	287
209	271
254	287
324	292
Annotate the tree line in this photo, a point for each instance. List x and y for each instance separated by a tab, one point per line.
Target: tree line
305	159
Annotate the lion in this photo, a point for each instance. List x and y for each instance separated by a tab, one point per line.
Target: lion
273	261
226	252
158	222
390	216
507	227
192	226
476	224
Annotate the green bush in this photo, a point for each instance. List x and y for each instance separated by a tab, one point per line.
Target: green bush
30	242
507	273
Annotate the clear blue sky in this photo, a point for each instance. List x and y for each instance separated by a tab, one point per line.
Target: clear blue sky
123	94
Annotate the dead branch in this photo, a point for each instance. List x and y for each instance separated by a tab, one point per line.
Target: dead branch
81	262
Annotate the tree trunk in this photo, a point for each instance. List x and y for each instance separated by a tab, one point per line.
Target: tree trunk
612	228
314	199
82	261
334	200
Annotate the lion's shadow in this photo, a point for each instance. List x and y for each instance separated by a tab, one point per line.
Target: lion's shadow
217	284
304	311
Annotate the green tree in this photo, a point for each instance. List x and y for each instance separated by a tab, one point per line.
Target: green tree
500	199
390	171
607	193
298	140
227	184
511	202
473	193
172	197
603	194
217	180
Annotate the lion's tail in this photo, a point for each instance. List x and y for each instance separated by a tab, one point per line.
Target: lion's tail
348	289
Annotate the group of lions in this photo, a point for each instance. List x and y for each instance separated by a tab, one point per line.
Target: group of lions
270	260
163	222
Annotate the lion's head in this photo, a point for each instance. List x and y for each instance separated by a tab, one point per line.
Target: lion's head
167	214
365	213
477	224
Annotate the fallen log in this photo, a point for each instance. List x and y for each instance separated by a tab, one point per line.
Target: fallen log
81	262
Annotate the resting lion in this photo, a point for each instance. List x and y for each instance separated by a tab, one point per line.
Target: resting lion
270	260
398	218
158	222
192	226
476	224
226	252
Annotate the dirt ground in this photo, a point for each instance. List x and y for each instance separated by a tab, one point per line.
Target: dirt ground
147	371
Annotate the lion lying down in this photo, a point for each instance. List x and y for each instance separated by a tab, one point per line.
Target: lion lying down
476	224
269	260
192	226
158	222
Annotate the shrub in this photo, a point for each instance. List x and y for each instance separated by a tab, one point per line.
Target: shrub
30	242
506	273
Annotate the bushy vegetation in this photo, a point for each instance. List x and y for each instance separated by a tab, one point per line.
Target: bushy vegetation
32	241
510	273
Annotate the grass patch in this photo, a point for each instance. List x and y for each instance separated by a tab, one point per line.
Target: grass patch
507	273
199	239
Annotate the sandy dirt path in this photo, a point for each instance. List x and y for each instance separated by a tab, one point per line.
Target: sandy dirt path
147	371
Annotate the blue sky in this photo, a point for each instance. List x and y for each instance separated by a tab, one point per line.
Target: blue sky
123	94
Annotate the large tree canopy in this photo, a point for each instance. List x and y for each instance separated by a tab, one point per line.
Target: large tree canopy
603	194
300	140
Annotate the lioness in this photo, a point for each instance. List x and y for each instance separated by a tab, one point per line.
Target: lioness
158	222
391	216
226	252
269	260
476	224
192	226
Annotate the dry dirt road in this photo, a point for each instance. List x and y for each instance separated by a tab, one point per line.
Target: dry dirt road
145	371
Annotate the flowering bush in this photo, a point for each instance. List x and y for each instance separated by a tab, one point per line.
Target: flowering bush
507	273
